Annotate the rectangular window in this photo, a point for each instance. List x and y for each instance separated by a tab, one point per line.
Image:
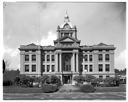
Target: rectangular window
90	68
43	58
86	57
26	68
33	57
81	68
90	57
107	76
26	57
107	57
100	57
53	68
100	67
53	58
33	68
43	68
48	58
107	67
86	67
48	68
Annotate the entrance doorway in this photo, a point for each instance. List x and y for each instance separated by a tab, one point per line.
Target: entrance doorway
67	79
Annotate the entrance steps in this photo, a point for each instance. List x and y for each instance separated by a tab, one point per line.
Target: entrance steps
68	88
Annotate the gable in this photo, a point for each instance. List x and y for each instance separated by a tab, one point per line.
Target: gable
67	40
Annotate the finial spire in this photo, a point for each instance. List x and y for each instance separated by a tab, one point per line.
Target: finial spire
66	18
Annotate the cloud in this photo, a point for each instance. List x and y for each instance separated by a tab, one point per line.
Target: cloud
120	60
49	39
12	57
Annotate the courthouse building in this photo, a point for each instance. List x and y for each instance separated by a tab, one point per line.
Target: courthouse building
67	58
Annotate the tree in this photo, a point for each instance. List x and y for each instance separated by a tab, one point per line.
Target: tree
4	66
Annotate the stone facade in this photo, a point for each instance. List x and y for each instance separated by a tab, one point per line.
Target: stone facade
67	58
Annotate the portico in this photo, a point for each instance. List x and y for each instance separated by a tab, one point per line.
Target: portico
67	65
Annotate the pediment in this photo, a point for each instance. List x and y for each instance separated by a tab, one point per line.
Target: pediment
67	40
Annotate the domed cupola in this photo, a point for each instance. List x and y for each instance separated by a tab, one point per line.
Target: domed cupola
67	29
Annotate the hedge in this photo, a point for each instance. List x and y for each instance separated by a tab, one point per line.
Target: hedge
87	88
47	88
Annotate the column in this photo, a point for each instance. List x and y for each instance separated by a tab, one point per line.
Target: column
77	65
60	61
45	62
73	62
83	63
50	62
56	62
22	62
38	62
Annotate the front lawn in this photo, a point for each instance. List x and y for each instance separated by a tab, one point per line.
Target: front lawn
121	88
13	89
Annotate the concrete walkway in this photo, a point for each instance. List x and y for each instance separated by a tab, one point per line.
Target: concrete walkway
68	88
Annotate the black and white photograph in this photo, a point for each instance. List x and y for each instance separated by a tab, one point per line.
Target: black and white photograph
64	50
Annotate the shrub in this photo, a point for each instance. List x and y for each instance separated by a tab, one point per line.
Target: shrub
89	78
47	88
51	80
7	83
79	79
55	80
87	88
44	78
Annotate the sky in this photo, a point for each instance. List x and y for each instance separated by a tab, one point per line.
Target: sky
36	22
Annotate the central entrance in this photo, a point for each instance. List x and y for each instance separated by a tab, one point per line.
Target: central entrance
66	68
67	79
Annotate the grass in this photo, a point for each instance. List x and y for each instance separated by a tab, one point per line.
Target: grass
121	88
13	89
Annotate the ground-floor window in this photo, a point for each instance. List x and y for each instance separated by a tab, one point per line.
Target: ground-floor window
53	68
33	68
26	68
90	68
48	68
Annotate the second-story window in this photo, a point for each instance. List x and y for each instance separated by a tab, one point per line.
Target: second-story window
26	57
100	57
33	57
53	59
90	57
107	57
48	58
